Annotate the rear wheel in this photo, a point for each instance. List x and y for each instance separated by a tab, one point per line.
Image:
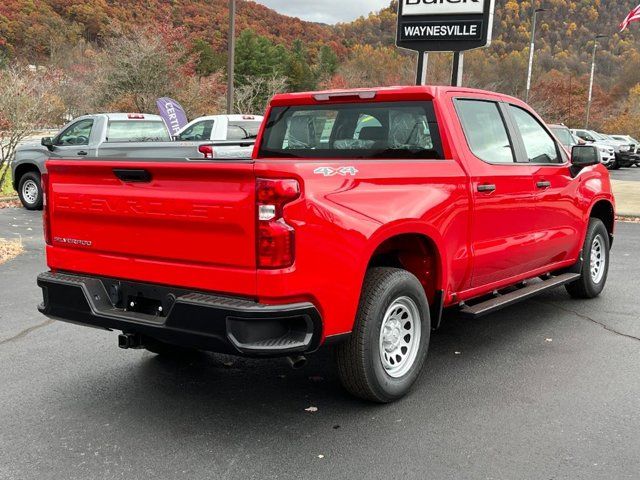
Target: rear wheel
595	267
30	191
387	349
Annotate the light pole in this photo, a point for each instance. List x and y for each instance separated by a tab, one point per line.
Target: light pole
232	56
593	73
532	48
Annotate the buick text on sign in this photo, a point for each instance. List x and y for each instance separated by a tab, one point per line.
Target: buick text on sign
442	7
451	30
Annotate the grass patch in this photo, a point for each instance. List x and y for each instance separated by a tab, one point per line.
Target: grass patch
9	249
6	189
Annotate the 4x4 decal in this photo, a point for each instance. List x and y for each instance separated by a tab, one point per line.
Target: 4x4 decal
332	172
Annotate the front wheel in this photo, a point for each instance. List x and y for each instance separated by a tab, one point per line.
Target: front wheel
30	191
387	349
595	266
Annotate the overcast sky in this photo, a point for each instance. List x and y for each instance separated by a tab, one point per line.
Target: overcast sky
326	11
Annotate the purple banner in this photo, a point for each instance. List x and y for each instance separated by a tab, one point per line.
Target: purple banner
172	113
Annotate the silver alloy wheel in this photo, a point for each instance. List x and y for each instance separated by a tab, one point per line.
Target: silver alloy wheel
400	337
598	260
30	191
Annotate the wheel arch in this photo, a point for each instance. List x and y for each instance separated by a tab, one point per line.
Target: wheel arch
413	248
21	170
604	210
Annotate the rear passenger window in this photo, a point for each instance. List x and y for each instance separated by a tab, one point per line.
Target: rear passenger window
243	130
539	145
485	130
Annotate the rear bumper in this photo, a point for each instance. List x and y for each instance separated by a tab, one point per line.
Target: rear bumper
191	319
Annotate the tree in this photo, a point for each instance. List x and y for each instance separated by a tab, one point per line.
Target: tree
300	74
257	56
375	67
628	121
208	61
136	69
327	63
29	101
253	97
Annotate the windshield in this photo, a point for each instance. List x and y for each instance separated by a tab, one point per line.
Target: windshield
564	135
364	130
597	136
137	131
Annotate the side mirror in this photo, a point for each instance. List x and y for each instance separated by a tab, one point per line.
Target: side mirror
47	142
585	156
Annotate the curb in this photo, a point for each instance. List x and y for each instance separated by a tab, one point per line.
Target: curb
628	217
8	199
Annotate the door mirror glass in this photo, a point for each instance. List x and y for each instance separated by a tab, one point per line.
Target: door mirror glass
47	142
585	156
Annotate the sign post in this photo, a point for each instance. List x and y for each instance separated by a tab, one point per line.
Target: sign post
444	26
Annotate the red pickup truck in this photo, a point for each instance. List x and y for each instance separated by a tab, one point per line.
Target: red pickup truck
362	215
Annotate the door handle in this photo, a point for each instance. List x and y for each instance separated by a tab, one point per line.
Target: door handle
133	176
486	188
82	153
543	185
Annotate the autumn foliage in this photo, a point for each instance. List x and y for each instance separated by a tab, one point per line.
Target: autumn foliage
109	48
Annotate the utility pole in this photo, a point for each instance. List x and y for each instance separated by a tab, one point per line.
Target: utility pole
423	65
593	73
532	48
232	56
458	69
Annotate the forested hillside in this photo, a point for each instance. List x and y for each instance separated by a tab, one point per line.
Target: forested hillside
90	41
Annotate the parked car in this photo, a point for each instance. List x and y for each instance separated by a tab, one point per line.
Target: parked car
607	151
111	136
564	135
221	129
623	154
635	146
362	215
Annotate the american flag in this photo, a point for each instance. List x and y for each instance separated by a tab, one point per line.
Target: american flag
634	16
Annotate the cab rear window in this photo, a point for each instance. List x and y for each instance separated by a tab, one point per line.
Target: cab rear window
364	130
137	131
243	130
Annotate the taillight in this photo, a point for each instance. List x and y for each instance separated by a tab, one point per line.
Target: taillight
46	220
276	239
206	151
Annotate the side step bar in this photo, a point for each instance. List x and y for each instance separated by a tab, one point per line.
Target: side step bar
524	293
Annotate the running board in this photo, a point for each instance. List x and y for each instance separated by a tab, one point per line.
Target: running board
524	293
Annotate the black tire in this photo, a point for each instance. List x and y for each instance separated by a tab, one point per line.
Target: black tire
360	364
588	286
33	202
615	165
168	350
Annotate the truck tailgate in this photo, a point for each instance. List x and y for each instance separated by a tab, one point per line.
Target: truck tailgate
181	224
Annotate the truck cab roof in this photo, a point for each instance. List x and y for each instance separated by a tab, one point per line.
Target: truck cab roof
118	117
384	94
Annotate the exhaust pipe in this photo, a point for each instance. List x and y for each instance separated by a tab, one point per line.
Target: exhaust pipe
128	341
297	362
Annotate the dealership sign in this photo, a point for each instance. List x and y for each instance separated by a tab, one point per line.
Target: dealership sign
444	25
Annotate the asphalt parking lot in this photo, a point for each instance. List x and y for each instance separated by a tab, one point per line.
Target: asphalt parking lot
549	389
626	174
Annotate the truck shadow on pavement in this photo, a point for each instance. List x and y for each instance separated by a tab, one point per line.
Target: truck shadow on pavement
227	395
